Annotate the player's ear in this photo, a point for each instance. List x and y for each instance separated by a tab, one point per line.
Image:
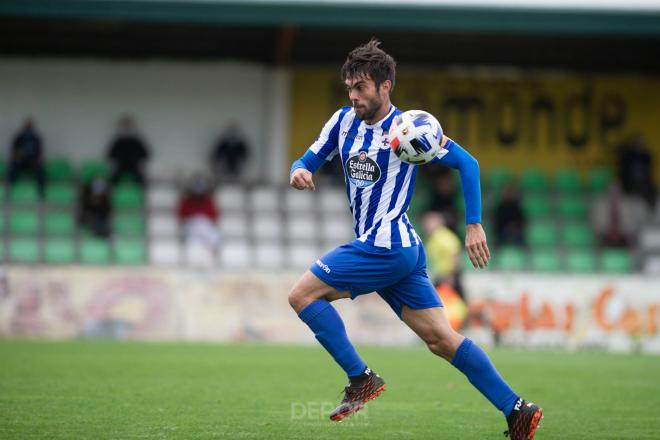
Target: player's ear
386	86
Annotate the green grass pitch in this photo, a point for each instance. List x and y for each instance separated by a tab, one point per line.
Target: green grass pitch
108	390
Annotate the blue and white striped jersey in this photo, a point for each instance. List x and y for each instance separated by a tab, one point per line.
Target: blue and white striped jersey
378	184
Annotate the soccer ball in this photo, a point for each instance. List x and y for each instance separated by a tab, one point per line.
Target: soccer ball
415	136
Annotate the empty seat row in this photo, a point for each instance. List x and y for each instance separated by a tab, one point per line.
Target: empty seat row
512	258
264	226
547	234
31	222
124	196
566	207
58	169
238	254
271	199
68	251
565	180
232	198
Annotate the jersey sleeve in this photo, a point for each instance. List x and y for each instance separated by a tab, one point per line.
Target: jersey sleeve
326	145
454	156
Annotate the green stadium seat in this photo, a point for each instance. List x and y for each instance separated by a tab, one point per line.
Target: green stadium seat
536	206
24	250
599	180
467	264
24	222
616	261
94	251
510	258
580	261
128	196
567	181
572	208
93	168
58	170
577	235
128	224
533	180
547	260
421	199
541	234
60	194
24	192
59	223
497	178
130	252
59	251
459	203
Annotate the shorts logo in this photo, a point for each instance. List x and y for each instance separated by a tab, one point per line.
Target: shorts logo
362	171
323	266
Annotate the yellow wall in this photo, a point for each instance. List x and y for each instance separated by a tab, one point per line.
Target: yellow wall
513	119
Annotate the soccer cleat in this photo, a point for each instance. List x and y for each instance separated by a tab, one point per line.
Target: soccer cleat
523	420
355	396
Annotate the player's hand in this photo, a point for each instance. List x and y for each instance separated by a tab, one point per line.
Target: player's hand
475	243
301	179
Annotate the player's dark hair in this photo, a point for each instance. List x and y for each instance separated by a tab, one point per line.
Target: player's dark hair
372	61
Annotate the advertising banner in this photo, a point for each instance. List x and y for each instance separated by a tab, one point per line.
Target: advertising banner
512	118
616	313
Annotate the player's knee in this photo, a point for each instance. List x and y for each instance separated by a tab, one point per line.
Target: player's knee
441	347
298	299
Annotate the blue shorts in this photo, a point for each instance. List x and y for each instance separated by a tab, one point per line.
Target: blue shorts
398	275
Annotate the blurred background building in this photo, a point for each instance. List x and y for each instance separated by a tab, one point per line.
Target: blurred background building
114	113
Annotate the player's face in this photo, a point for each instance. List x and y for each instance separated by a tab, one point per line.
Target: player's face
366	98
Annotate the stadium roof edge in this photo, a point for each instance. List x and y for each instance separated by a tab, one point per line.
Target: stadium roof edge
342	14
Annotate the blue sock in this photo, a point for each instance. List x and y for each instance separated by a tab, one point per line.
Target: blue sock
474	363
329	329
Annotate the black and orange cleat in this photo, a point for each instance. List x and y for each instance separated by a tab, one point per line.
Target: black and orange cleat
357	394
523	421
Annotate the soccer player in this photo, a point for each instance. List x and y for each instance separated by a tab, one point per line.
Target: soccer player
388	256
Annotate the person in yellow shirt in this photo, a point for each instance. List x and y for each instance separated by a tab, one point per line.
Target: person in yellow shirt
443	251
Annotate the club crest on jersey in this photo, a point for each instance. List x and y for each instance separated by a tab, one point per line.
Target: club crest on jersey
362	171
386	143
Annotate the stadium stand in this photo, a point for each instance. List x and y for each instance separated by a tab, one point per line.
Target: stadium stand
273	228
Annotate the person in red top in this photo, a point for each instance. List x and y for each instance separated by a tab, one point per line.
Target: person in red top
198	214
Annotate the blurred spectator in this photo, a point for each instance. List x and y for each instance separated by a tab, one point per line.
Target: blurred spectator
443	198
128	152
443	249
617	217
199	214
509	218
95	208
230	153
26	157
636	170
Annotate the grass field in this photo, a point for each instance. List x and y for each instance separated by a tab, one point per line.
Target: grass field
98	390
